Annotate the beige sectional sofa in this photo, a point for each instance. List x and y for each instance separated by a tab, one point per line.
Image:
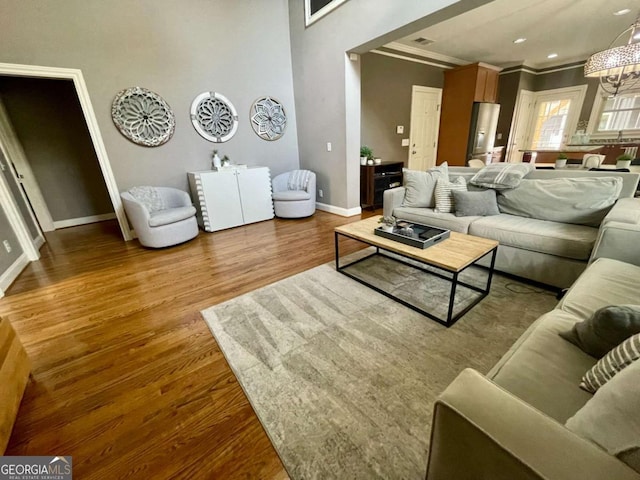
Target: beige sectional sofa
511	423
553	253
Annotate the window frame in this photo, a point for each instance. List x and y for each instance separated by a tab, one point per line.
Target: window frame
596	113
310	18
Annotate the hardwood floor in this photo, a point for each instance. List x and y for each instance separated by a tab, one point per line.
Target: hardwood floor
127	377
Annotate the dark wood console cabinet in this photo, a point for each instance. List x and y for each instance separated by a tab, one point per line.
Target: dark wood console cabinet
375	179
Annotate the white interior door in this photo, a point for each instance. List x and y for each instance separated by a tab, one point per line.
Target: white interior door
19	166
518	136
425	123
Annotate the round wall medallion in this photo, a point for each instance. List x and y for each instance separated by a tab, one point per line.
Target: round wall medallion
214	117
268	118
143	116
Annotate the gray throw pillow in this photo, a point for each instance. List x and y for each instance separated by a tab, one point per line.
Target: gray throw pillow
444	196
476	203
607	328
611	418
501	175
420	186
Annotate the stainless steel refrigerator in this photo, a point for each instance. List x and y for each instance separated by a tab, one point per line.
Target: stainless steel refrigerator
482	134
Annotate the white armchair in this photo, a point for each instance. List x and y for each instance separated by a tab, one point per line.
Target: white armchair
294	194
161	216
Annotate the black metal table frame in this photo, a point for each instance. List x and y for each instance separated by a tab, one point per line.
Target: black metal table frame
455	281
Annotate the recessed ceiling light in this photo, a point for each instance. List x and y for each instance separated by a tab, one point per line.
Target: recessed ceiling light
520	40
624	11
552	55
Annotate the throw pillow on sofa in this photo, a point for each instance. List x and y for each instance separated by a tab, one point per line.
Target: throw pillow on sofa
444	196
611	418
420	186
581	201
501	175
475	203
612	363
607	328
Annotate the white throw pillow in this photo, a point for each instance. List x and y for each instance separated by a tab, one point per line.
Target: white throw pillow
444	197
420	186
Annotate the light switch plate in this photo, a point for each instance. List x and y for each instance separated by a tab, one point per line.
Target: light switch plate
400	129
405	142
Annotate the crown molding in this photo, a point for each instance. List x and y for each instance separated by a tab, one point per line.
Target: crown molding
411	59
426	54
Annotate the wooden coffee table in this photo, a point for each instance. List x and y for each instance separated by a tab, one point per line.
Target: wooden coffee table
451	257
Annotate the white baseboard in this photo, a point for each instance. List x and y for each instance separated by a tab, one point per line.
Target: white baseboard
7	278
343	212
74	222
38	241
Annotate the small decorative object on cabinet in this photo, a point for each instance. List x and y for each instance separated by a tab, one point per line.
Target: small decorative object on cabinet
375	179
268	118
216	163
214	117
623	161
365	154
143	116
231	197
561	161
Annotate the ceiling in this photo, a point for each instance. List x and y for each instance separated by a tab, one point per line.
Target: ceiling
574	29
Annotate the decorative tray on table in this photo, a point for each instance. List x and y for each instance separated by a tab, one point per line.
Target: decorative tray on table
414	234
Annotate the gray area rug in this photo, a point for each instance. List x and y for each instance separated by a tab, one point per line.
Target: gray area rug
343	379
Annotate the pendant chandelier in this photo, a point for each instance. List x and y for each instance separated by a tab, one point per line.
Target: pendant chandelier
618	67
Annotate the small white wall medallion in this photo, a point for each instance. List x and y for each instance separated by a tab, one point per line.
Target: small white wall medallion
268	118
214	117
143	116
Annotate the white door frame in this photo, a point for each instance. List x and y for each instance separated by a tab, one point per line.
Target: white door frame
92	124
420	88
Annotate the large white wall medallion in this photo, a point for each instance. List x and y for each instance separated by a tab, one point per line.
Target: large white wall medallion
143	116
214	117
268	118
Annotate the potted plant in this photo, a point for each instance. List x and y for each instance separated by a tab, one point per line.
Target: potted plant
623	161
365	154
387	223
561	161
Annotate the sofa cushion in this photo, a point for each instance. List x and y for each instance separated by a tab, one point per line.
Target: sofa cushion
171	215
501	175
605	282
544	370
475	203
444	193
583	201
561	239
611	364
420	186
607	328
611	418
291	195
428	216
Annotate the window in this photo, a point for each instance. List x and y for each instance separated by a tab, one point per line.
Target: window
316	9
550	123
554	117
621	112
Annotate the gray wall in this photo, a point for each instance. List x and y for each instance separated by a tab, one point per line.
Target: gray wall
177	49
386	86
318	56
48	121
511	83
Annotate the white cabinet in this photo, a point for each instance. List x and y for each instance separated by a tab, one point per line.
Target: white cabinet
233	197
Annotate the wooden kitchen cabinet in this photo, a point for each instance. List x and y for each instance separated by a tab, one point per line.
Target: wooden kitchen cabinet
463	86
